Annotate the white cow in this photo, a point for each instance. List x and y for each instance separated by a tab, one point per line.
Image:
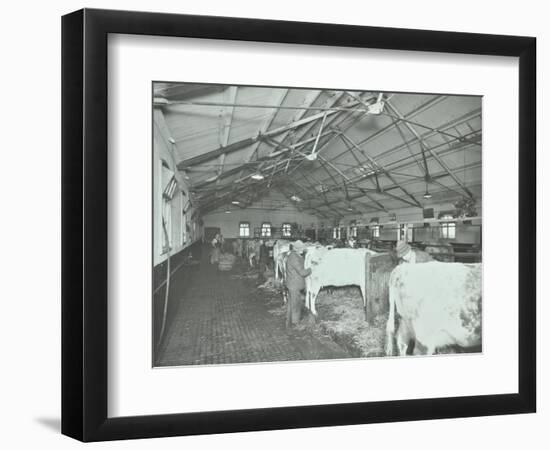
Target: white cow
439	304
334	267
253	251
279	248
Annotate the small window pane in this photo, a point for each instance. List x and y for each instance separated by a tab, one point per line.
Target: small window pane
287	230
448	230
244	229
266	230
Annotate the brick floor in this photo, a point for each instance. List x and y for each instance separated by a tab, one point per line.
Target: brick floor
222	319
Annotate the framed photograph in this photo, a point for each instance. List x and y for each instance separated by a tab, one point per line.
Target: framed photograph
273	225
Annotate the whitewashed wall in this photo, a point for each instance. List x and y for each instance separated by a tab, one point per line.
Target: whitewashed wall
178	239
256	214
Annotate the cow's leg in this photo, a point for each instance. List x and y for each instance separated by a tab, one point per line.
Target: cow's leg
308	293
430	349
313	294
404	338
390	325
401	340
364	294
436	340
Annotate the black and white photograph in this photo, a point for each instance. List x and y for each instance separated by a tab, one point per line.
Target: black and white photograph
302	224
275	225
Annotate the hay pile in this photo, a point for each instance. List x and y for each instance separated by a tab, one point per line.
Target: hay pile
252	274
226	261
342	317
277	307
271	285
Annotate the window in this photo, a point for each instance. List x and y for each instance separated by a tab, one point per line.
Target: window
244	229
266	229
336	233
375	231
287	230
166	224
183	229
353	232
448	230
184	225
409	236
401	231
169	185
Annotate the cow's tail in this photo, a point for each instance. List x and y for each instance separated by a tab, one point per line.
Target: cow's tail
390	325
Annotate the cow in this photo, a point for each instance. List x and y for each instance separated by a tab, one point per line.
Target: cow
236	247
279	248
439	305
253	251
334	267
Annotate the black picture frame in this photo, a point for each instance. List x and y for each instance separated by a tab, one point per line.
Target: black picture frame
84	224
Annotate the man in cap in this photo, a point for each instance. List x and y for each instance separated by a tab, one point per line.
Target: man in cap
295	283
405	253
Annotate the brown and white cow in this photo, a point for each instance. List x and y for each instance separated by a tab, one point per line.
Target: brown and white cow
334	267
439	304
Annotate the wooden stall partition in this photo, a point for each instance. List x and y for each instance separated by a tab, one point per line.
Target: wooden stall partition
378	269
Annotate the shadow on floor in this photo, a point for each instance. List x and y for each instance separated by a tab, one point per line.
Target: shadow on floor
53	423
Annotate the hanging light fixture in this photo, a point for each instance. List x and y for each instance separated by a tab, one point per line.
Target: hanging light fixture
427	194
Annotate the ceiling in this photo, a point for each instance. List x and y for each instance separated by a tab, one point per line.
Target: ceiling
331	153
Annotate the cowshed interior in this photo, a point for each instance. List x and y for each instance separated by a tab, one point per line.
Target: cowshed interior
350	169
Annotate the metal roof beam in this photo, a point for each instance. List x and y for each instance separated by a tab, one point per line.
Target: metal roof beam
264	128
423	107
435	130
391	167
364	192
432	152
466	117
225	129
383	169
212	154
